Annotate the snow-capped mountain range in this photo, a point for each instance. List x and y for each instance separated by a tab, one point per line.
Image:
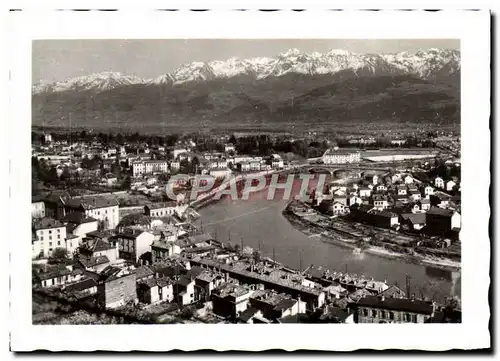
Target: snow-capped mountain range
422	63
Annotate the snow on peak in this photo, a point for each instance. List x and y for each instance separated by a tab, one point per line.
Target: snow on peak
422	63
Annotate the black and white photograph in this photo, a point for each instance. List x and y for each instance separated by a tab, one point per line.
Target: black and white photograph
188	181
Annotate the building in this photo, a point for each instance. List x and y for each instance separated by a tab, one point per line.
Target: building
184	290
365	192
161	209
56	276
333	156
275	306
428	191
381	309
414	221
230	300
103	208
439	182
229	148
206	282
141	168
161	250
178	151
175	165
155	290
380	202
133	243
442	221
408	179
116	290
352	200
47	235
425	204
450	185
79	224
37	208
369	215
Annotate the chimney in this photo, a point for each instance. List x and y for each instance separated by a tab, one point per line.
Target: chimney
382	298
412	297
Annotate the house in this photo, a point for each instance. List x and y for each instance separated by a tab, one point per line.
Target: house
161	250
428	191
402	191
37	208
415	195
94	247
340	199
277	163
392	292
366	214
339	208
133	243
206	282
116	289
450	185
94	264
175	165
332	314
408	179
381	188
81	289
150	166
47	235
230	300
155	290
160	209
439	182
102	208
275	306
365	192
54	204
381	309
414	221
178	151
442	221
56	276
440	199
425	204
373	179
380	202
396	177
79	224
355	200
184	290
229	148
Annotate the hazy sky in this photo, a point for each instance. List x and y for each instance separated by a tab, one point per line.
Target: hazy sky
55	60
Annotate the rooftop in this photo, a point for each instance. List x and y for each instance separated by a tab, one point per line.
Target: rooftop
397	304
47	223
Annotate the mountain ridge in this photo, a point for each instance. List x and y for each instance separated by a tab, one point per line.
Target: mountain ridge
424	64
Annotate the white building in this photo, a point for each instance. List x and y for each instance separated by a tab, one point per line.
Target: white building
149	166
102	208
47	235
450	185
334	156
439	182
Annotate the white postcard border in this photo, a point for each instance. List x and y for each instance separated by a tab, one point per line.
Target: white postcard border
472	27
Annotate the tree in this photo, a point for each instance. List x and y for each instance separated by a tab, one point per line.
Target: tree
257	256
59	255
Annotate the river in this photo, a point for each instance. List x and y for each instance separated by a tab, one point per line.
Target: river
260	224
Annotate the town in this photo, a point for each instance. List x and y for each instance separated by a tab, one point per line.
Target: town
111	244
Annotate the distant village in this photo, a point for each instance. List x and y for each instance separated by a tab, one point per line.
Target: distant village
106	237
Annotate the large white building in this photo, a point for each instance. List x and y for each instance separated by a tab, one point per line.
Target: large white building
48	234
148	167
335	156
103	208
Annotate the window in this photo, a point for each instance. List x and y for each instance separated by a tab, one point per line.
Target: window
374	313
50	244
365	312
414	318
106	211
382	314
407	317
58	230
50	231
58	236
58	243
50	237
391	315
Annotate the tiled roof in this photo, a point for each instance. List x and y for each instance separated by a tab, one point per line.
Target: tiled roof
47	223
92	202
396	304
414	218
162	205
440	212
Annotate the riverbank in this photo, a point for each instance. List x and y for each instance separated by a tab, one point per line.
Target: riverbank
333	237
